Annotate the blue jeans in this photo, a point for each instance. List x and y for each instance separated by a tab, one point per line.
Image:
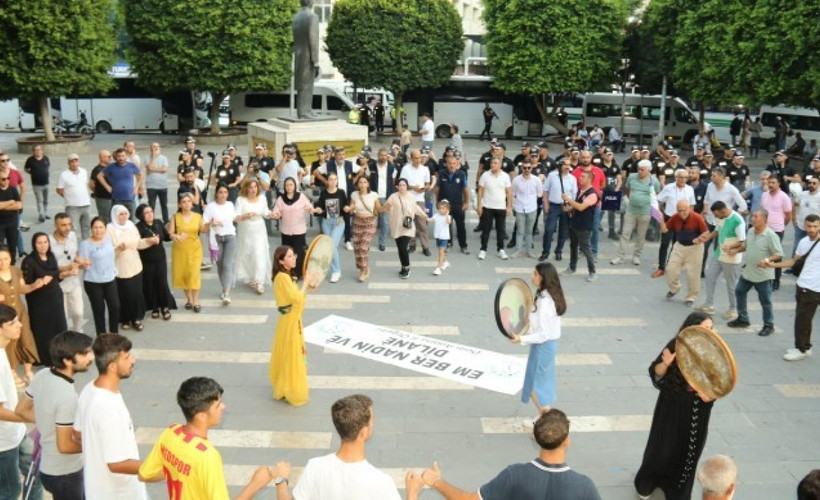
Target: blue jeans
225	264
334	228
555	219
14	463
764	293
596	225
383	225
525	221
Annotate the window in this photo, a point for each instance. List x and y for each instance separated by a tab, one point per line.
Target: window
603	110
683	115
267	101
653	113
336	104
323	8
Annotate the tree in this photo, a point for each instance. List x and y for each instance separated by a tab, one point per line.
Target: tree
222	46
541	47
50	48
407	44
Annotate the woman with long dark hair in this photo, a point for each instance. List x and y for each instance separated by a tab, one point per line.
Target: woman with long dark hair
292	208
253	264
542	337
403	209
45	304
288	359
155	289
127	243
365	205
219	216
679	426
186	251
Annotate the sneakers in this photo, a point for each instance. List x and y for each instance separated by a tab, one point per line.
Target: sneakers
730	314
518	254
689	303
260	288
445	265
349	245
382	248
532	254
708	309
465	251
404	273
616	261
502	254
569	270
669	295
658	273
738	323
335	277
426	252
558	257
543	257
205	266
226	299
796	354
766	330
437	271
592	277
482	255
636	260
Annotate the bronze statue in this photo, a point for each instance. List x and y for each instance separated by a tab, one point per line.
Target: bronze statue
306	57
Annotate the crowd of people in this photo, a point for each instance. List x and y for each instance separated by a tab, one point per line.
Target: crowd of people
119	260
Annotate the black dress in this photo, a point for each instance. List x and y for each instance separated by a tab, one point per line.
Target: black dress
677	437
155	268
45	305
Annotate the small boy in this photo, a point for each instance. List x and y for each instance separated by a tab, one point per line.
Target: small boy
442	233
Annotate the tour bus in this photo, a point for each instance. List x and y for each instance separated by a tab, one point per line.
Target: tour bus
640	115
22	114
803	120
247	107
130	107
9	114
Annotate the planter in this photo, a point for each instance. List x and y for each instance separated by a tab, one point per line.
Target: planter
226	136
63	145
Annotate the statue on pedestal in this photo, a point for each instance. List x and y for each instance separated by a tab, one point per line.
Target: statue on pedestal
306	57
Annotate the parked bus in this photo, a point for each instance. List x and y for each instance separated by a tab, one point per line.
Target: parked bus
640	114
803	120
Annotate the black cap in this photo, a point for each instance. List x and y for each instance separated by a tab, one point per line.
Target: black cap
190	139
543	145
533	151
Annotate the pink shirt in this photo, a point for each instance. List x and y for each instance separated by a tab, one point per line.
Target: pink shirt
294	216
778	205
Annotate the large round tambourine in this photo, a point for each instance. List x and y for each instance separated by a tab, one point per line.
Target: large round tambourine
318	258
513	303
705	361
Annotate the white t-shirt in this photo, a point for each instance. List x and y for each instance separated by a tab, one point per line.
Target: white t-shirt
670	195
442	226
328	478
289	169
416	177
810	276
495	189
224	213
108	437
11	433
807	203
75	187
383	180
430	127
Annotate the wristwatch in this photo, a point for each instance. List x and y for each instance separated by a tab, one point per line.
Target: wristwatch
280	480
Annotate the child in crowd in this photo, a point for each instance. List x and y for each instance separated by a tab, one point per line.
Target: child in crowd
442	219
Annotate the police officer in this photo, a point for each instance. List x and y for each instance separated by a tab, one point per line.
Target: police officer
196	155
227	174
738	172
452	185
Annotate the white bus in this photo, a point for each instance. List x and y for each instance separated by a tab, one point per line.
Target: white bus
247	107
641	114
128	107
22	114
803	120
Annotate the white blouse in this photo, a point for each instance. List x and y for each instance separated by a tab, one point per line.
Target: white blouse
545	324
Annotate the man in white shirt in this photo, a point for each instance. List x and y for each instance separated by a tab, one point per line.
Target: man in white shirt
383	182
417	176
494	204
50	402
130	148
12	428
668	199
526	190
105	428
557	183
346	473
807	203
64	246
73	187
288	167
427	131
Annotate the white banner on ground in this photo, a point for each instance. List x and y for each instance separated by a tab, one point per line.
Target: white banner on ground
448	360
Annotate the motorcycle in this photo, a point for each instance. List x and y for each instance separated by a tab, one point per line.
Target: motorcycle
81	127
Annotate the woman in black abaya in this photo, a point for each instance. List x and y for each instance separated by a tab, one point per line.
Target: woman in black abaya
679	426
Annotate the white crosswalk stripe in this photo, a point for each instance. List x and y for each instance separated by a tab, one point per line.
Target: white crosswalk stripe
251	438
592	423
600	271
799	390
478	287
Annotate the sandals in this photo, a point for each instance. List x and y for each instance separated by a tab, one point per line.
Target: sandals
166	314
155	313
188	306
138	326
125	326
197	308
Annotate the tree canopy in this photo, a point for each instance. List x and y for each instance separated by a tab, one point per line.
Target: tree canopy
542	47
50	48
407	44
222	46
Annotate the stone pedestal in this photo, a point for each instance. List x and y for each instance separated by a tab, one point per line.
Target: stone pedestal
309	135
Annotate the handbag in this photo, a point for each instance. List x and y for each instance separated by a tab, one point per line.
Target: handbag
407	221
797	267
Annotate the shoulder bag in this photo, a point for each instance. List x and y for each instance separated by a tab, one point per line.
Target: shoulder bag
797	268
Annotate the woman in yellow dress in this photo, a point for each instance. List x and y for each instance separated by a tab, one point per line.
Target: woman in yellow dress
186	252
288	360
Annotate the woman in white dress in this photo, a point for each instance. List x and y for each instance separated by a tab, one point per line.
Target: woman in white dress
253	264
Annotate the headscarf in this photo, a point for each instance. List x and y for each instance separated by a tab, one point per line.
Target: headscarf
296	193
116	210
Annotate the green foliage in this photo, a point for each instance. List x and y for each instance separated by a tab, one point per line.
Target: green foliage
55	47
650	44
223	46
395	44
544	46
